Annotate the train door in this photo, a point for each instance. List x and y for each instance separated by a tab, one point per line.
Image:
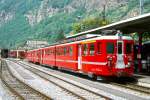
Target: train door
79	57
120	60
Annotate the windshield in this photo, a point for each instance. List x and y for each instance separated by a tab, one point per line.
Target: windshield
110	48
128	48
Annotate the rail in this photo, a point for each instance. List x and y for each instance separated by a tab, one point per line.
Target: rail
37	71
17	87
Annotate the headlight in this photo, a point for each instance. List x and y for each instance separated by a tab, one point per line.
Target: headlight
128	64
110	59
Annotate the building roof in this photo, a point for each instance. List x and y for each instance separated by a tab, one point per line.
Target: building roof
32	44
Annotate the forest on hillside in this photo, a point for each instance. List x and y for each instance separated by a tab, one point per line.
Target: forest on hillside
50	20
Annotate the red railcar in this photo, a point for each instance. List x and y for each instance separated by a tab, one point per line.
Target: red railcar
33	56
95	56
17	54
12	54
48	56
29	56
66	56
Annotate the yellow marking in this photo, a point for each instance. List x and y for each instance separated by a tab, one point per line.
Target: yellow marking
92	41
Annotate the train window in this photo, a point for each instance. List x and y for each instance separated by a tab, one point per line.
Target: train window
61	51
119	47
70	51
48	52
58	51
110	48
99	48
53	51
92	49
128	48
85	49
45	52
65	50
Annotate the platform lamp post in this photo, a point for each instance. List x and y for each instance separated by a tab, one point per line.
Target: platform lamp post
104	22
79	19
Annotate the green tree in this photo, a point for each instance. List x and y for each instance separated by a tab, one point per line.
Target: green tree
88	23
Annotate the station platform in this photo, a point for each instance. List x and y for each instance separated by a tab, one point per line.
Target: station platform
143	80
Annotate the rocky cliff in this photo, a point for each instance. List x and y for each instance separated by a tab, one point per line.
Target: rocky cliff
21	20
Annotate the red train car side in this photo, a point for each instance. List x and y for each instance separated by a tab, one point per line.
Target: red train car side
66	56
96	56
48	56
17	54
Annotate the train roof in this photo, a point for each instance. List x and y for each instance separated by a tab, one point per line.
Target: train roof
88	40
110	37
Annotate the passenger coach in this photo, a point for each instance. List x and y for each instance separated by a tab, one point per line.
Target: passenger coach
92	55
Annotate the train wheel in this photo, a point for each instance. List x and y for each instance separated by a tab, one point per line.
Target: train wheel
55	67
92	76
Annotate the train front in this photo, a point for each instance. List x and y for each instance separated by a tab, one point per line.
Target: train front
122	61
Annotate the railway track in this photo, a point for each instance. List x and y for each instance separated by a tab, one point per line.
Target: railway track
129	85
71	88
18	88
134	87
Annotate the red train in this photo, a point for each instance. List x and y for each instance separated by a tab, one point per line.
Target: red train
92	55
17	54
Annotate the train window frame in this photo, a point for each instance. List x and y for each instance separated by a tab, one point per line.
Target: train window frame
58	51
44	52
65	51
49	52
61	51
53	51
91	50
108	49
126	49
85	50
71	51
99	48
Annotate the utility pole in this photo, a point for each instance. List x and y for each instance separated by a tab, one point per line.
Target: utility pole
104	14
141	6
79	19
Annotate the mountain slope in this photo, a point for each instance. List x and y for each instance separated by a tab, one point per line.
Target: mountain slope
21	20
